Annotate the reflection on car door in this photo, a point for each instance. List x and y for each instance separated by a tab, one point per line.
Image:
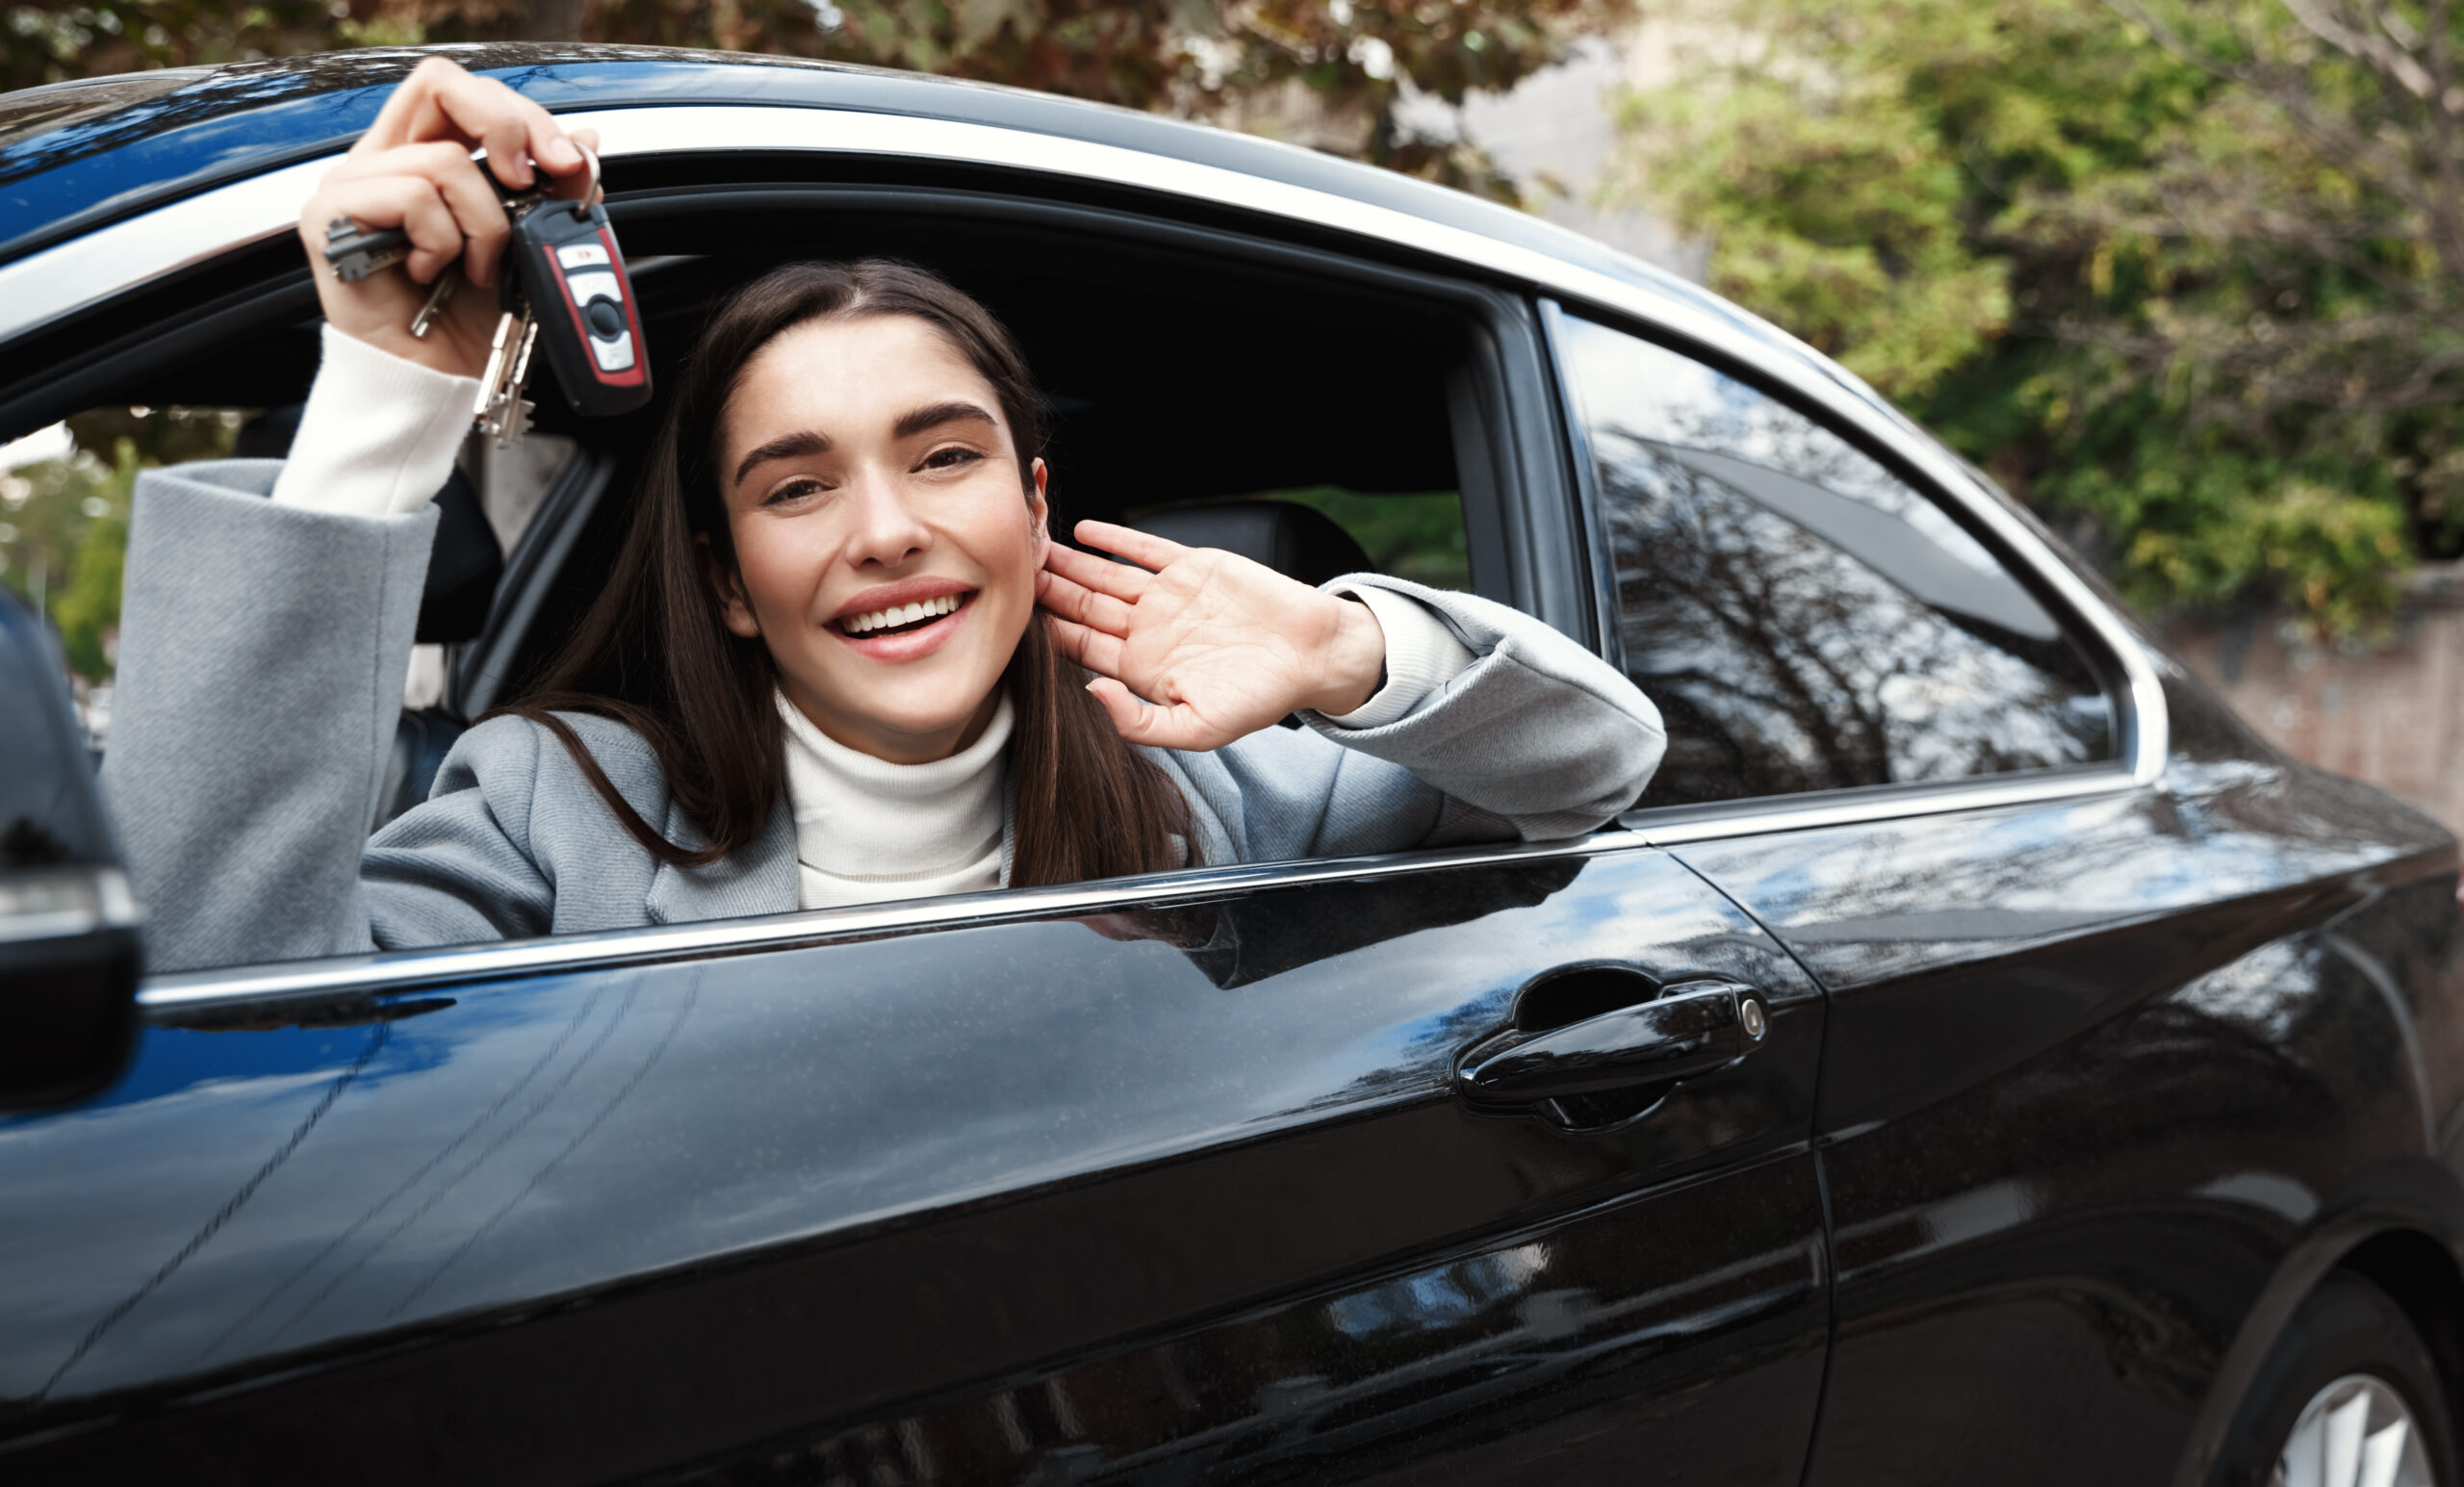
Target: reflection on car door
1177	1189
2092	1066
2097	1049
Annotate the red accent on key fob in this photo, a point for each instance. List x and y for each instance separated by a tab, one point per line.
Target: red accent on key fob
574	348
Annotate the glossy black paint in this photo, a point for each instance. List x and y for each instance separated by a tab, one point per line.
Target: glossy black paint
2096	1074
1161	1193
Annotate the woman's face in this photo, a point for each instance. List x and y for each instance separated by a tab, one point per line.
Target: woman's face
885	553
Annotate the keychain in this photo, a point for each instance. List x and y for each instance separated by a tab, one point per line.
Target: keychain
564	284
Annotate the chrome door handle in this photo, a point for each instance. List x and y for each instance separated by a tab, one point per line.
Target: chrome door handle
1696	1027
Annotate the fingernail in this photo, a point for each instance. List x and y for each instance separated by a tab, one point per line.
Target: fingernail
561	152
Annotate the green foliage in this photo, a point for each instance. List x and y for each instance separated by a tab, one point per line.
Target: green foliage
64	523
1415	537
88	611
2139	272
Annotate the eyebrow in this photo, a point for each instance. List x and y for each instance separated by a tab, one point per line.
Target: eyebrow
907	426
910	425
785	447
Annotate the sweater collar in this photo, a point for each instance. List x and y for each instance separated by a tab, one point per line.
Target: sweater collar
761	878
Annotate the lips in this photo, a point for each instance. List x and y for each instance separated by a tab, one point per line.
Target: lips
897	623
894	619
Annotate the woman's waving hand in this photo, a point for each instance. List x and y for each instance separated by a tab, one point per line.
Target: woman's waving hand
1219	645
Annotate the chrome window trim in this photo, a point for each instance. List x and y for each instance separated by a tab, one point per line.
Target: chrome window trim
384	973
1675	826
86	270
396	970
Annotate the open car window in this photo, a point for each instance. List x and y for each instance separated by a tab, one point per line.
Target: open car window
1194	383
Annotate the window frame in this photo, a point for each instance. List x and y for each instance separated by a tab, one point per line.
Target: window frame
1523	546
83	307
2120	667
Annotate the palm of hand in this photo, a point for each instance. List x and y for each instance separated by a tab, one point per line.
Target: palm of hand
1221	646
1233	641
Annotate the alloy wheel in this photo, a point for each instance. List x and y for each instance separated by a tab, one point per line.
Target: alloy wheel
2356	1433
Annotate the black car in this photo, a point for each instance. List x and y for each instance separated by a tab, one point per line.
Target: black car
1977	1057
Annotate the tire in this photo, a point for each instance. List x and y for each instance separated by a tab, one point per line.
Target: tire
2349	1340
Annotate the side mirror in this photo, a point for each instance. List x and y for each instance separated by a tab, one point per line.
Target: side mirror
70	955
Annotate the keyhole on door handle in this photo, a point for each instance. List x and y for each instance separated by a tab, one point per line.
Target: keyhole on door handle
1595	1047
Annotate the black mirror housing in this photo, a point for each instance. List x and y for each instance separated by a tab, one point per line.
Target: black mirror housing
69	950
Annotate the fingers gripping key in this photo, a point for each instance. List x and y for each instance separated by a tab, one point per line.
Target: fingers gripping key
566	286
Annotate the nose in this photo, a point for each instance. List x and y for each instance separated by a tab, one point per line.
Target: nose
886	531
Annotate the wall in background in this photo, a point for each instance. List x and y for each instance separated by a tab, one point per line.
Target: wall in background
2393	716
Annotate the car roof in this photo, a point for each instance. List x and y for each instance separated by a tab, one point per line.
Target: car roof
75	156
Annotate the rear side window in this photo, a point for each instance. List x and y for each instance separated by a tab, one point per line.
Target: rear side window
1805	618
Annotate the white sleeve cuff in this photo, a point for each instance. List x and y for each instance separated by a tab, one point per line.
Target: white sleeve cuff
378	435
1422	655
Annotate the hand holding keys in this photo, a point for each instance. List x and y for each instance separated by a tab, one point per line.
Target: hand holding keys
412	194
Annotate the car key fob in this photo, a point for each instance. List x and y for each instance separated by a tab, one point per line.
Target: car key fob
565	261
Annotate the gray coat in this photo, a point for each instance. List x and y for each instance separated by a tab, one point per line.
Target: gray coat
262	656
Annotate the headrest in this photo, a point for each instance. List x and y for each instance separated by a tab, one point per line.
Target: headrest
1295	541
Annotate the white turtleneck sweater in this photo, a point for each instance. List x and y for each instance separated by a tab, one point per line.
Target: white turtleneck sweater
379	438
867	829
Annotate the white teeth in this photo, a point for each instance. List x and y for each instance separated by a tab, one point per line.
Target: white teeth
901	614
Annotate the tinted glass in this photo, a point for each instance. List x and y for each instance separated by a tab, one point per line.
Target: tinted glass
1803	618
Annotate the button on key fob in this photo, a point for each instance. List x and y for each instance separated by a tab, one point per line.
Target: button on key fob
570	268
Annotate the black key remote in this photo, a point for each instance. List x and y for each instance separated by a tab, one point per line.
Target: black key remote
566	262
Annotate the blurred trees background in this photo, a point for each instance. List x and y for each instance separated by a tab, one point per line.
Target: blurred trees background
1349	58
2183	274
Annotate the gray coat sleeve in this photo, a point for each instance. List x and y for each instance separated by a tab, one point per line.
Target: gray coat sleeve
262	654
1537	739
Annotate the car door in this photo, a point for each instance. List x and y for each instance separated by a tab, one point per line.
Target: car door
1367	1170
2120	1003
1163	1180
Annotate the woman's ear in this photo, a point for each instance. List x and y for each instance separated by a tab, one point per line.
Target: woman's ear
1041	510
725	582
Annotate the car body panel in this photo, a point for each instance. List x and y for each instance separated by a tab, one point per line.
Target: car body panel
2095	1072
816	1191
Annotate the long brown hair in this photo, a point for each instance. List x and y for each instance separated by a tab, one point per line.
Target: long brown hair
654	652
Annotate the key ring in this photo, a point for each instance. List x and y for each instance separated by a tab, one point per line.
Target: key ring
583	203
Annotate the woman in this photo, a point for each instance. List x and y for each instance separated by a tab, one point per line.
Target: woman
838	660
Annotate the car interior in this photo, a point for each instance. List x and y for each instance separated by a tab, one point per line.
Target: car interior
1252	401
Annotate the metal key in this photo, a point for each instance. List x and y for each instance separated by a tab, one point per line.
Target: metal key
502	413
446	283
355	254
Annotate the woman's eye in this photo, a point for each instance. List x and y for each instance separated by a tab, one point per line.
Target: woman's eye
951	458
793	490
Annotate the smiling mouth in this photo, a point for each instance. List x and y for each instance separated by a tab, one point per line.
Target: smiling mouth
900	619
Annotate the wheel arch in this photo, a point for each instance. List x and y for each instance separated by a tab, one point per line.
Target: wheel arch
2399	1225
